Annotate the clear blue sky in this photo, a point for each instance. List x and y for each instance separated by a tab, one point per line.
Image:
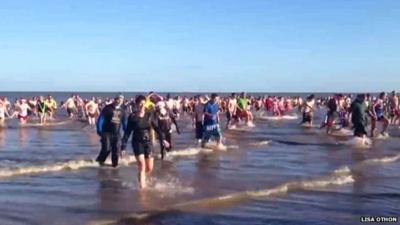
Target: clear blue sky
204	45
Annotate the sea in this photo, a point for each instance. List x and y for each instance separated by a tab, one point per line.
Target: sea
277	173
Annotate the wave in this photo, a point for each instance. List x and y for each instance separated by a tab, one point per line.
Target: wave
88	163
236	198
285	117
339	177
387	159
262	143
48	124
69	165
358	142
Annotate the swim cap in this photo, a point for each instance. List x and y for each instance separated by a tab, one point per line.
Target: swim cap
163	111
119	96
160	104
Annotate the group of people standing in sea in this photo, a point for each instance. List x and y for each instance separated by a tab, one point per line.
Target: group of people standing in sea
151	117
357	114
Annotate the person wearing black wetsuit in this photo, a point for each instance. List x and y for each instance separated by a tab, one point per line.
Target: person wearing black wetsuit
42	110
164	120
139	125
109	124
359	116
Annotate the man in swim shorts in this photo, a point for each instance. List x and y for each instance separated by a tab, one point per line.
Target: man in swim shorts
92	111
211	121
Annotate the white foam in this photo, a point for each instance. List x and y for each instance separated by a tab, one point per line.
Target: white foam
250	124
341	180
387	159
285	117
342	170
189	151
234	198
359	142
69	165
262	143
268	192
382	137
216	147
169	186
48	124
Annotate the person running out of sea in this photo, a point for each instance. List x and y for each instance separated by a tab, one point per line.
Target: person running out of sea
51	105
242	110
231	117
92	111
332	114
22	108
164	120
308	109
139	124
42	109
211	122
3	113
378	114
359	116
32	102
394	108
70	106
112	118
198	117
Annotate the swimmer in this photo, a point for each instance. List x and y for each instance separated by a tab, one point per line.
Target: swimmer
359	117
243	111
92	111
394	108
22	111
231	112
164	120
198	117
42	110
378	114
70	106
3	113
308	109
139	125
51	105
211	122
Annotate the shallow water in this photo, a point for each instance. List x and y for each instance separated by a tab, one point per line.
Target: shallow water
274	173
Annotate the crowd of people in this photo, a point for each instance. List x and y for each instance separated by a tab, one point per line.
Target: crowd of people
152	117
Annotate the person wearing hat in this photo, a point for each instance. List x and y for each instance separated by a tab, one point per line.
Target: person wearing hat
112	118
164	120
23	108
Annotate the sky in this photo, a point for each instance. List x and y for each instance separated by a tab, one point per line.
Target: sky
200	45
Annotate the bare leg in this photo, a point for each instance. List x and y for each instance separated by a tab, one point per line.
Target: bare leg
141	171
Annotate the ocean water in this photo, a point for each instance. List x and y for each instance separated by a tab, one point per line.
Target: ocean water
274	173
